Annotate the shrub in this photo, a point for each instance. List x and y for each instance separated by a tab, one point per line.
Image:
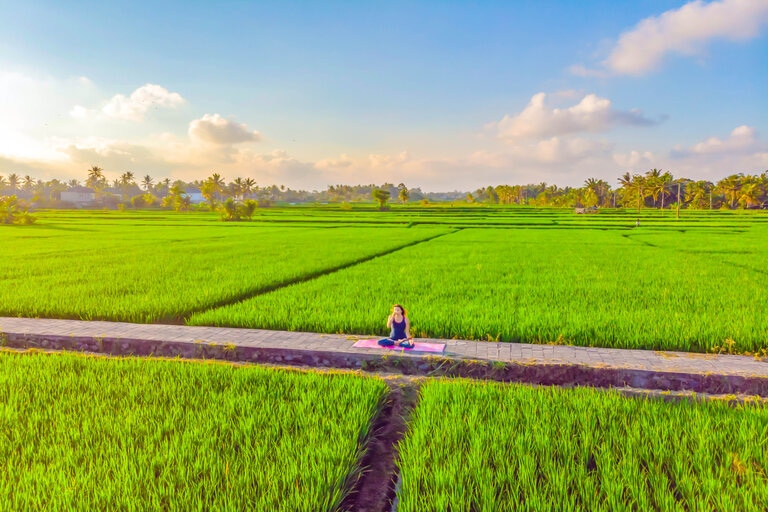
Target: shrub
14	211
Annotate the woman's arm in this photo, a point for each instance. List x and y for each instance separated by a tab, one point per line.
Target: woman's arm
407	328
389	321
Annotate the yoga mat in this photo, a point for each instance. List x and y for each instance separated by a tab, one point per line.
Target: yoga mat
418	347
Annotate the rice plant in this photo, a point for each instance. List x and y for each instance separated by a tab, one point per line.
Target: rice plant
500	447
651	289
89	433
147	268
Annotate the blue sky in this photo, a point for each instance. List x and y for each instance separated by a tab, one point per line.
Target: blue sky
441	95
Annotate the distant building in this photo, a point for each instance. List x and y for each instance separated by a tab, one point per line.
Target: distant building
80	196
195	196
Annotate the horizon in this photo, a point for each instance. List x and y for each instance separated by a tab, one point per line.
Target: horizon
441	97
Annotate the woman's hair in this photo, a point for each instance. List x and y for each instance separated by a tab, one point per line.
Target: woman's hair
401	308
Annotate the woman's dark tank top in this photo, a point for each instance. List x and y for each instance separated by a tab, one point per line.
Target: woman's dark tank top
398	330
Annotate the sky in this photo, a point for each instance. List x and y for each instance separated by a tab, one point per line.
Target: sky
448	95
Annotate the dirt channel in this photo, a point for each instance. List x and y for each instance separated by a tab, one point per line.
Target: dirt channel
374	491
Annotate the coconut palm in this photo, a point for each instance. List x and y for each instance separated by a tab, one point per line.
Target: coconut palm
627	186
127	178
216	183
147	182
730	186
73	183
238	186
95	177
660	186
599	189
13	181
176	198
249	185
29	183
653	184
750	193
634	186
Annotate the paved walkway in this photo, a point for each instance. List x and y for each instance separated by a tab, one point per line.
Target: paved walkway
545	364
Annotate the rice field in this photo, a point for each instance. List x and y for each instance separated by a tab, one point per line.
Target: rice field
490	273
148	268
651	289
91	433
501	447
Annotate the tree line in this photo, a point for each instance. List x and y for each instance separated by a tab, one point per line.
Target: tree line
652	189
239	197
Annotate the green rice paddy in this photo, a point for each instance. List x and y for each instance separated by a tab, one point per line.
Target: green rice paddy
92	433
506	274
500	447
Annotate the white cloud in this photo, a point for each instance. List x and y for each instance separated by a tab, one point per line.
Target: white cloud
133	107
388	161
742	140
591	114
335	163
635	159
214	129
683	31
78	112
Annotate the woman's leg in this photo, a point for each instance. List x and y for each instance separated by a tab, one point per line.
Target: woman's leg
406	343
386	342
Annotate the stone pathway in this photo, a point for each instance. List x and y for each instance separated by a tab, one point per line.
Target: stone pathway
543	364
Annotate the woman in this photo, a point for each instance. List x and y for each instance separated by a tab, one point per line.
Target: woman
400	329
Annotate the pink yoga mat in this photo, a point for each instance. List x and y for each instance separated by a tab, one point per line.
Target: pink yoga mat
418	347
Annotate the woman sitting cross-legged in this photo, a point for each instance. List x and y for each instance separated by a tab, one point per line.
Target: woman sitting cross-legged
400	329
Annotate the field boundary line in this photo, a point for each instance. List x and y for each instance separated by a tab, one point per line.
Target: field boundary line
183	317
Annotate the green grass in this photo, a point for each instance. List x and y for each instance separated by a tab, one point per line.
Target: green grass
87	433
147	267
648	288
497	447
536	275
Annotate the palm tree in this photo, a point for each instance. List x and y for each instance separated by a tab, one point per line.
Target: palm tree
212	188
653	184
176	198
147	181
127	178
29	182
597	188
73	183
217	183
126	182
238	186
13	181
249	185
663	183
730	185
634	186
627	185
750	193
163	187
95	177
3	182
695	195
